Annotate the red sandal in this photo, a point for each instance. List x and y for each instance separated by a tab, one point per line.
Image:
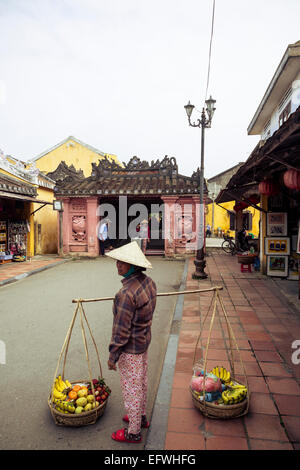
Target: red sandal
122	436
145	423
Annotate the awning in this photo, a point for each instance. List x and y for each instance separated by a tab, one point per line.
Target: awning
22	197
241	195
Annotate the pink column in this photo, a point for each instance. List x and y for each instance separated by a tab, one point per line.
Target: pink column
92	221
169	222
66	222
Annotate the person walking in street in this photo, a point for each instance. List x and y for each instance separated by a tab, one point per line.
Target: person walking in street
133	310
208	230
144	234
104	240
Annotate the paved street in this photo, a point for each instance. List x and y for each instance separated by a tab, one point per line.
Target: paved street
35	316
264	313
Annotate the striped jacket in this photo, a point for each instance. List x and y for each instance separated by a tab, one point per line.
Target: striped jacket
133	310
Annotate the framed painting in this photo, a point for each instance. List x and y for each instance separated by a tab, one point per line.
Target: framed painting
276	224
277	246
277	265
294	267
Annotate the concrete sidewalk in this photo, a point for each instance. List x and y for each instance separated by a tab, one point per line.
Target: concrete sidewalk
265	324
213	242
15	271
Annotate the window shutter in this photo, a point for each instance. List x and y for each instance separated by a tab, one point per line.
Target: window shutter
232	221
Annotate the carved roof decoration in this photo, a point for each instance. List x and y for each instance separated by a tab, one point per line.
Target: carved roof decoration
137	177
106	167
66	173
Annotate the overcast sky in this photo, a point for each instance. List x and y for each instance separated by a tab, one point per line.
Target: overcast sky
116	74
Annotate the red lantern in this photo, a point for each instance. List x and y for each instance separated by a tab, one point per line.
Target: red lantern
291	179
240	206
237	208
267	187
254	199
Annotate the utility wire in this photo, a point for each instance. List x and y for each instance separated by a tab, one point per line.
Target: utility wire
209	55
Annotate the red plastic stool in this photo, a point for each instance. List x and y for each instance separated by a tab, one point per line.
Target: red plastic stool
245	268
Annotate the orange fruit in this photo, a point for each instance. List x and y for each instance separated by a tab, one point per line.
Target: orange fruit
72	395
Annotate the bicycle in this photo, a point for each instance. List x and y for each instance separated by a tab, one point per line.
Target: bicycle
229	245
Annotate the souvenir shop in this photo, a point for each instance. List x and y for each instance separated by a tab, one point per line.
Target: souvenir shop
14	229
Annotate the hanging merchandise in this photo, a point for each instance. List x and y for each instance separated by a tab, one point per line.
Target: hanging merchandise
5	255
218	393
17	240
3	236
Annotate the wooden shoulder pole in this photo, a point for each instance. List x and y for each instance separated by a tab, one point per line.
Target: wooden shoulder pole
161	294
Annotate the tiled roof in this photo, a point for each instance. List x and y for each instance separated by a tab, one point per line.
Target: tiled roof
15	186
269	159
135	178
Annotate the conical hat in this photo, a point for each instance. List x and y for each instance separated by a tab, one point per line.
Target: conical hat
132	254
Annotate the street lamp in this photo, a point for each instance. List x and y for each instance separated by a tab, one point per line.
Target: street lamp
205	121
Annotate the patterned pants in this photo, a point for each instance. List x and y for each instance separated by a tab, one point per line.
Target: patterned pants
133	374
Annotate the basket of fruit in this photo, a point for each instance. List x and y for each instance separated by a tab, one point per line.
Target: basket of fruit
75	404
217	397
81	402
217	393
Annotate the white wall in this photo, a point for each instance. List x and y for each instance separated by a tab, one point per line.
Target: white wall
274	117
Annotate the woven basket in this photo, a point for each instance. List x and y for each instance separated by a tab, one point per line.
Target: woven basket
86	417
218	411
210	409
76	420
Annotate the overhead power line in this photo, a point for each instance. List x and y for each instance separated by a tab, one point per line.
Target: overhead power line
210	44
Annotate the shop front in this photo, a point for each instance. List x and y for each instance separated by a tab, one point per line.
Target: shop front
17	200
272	175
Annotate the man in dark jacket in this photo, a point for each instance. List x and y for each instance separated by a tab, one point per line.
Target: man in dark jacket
133	310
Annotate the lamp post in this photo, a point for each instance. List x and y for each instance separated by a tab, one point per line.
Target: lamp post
204	122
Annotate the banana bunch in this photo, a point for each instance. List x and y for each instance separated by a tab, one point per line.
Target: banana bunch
234	394
59	387
223	374
64	406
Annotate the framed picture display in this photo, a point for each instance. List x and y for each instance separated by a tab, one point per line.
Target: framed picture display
276	224
294	267
278	245
277	265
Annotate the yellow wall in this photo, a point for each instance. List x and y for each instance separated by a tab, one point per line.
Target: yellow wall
222	220
76	154
45	224
46	219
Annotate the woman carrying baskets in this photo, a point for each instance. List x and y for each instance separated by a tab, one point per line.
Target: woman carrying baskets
133	310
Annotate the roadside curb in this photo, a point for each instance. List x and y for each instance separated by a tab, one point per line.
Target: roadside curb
29	273
156	435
